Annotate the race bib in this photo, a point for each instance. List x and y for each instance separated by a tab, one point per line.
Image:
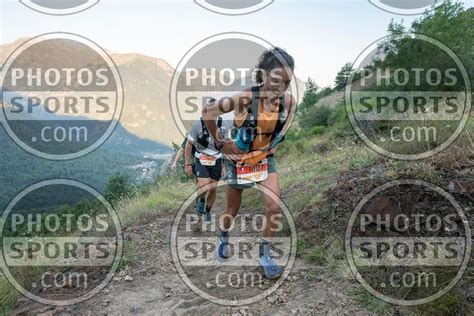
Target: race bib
252	174
207	161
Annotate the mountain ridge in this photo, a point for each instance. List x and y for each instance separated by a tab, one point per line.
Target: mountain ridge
146	81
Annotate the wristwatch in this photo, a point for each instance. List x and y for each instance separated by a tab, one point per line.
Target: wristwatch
219	145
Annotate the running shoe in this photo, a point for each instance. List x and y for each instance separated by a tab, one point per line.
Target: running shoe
200	207
207	217
222	249
270	268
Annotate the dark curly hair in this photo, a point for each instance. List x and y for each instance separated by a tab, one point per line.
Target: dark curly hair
271	59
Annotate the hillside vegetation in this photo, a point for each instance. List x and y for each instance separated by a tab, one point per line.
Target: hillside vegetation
325	170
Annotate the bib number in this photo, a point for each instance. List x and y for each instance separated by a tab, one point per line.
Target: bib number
208	161
252	174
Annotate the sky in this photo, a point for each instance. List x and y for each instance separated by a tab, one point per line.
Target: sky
322	35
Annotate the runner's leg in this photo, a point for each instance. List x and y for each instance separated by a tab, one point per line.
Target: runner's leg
211	197
272	205
202	190
234	200
273	218
203	187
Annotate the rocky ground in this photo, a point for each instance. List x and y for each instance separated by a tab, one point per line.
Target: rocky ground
152	286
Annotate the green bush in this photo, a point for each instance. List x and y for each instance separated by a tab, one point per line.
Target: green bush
362	161
338	115
318	255
292	135
144	189
318	130
117	188
316	116
340	126
300	146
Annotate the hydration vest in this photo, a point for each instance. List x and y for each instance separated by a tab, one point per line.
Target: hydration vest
250	125
206	136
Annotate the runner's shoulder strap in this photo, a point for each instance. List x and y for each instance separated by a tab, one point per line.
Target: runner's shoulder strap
253	111
203	140
204	127
282	117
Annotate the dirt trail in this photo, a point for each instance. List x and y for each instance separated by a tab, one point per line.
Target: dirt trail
153	287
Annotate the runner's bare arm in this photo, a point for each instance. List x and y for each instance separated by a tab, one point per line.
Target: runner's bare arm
187	159
237	103
179	154
187	153
291	108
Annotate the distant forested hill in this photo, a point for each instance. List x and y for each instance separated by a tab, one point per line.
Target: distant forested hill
122	151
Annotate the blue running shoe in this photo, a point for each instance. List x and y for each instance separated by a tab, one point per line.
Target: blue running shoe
207	217
200	207
270	268
222	249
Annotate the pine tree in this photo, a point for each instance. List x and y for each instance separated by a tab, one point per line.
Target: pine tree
343	76
310	97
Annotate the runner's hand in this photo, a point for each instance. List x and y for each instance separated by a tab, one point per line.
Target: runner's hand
189	170
230	151
173	168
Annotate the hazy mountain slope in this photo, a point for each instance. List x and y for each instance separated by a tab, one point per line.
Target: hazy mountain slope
146	80
147	112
